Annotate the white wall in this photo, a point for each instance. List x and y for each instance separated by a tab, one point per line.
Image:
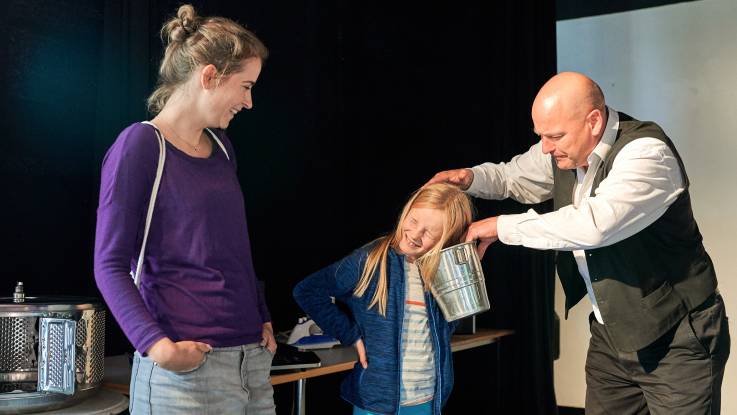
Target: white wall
675	65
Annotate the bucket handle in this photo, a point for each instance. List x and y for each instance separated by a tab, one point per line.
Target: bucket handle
460	256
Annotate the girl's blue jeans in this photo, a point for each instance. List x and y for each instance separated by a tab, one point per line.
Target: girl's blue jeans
421	409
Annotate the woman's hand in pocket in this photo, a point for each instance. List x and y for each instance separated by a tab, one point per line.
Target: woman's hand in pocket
181	356
267	338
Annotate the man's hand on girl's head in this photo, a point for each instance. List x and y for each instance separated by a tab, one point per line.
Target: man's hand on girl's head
459	177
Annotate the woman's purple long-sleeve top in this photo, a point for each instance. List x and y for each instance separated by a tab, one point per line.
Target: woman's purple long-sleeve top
197	280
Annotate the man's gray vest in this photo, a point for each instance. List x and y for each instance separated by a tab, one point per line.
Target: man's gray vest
646	283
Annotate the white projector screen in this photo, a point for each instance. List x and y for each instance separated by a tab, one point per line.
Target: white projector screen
675	65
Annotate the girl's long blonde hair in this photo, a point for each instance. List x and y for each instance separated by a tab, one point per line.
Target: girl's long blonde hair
458	211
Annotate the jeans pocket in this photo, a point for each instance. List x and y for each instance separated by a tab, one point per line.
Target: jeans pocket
134	377
696	336
267	350
710	327
196	368
704	325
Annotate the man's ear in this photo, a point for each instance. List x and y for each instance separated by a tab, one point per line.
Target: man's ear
209	76
596	122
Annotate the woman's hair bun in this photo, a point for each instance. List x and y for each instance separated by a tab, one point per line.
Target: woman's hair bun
188	17
180	27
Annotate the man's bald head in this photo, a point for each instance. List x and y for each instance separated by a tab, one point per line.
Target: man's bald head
569	114
569	93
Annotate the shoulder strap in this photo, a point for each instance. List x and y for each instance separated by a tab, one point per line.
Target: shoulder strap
155	190
151	202
220	143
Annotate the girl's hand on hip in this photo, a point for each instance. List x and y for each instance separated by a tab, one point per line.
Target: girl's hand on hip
181	356
361	350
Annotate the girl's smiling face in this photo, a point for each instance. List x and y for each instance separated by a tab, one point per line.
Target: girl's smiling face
421	230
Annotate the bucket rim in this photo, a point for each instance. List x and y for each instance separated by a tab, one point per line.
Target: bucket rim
472	243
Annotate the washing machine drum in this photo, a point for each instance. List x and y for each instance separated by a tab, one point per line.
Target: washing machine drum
52	351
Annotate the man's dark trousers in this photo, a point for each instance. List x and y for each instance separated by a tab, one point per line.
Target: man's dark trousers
680	373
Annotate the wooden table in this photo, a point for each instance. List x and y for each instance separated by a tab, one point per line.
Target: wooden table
337	359
343	358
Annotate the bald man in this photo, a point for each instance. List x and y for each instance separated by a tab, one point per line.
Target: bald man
625	236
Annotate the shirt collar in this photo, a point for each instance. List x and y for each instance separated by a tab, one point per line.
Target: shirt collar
607	139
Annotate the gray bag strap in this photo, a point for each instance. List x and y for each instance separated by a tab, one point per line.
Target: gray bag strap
151	202
155	190
220	143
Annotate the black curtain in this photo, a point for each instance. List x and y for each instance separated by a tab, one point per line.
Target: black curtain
358	105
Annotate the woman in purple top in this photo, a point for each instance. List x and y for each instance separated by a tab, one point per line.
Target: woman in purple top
198	320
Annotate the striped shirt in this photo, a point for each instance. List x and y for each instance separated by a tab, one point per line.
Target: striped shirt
418	365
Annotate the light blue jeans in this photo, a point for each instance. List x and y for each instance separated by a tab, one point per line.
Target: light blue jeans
421	409
232	380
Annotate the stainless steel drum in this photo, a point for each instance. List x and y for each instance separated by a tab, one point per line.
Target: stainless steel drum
459	285
52	351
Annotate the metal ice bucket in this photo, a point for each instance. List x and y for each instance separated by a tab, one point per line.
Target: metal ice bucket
52	351
458	285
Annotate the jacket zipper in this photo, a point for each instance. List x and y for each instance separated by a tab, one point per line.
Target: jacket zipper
400	313
438	377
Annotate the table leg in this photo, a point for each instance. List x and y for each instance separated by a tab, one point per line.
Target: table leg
300	396
499	376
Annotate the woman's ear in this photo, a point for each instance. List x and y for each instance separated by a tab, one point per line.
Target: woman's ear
209	77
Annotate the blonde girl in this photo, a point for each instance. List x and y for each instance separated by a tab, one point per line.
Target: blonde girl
401	338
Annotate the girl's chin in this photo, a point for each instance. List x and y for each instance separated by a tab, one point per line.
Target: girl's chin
410	251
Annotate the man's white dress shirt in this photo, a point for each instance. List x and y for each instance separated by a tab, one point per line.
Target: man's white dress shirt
644	181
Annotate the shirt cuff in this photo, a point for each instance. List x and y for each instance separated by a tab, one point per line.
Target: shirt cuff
476	187
146	344
350	336
507	228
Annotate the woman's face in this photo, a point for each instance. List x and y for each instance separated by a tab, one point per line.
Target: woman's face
233	94
421	230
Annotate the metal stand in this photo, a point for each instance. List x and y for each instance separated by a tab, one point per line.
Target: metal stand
300	396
